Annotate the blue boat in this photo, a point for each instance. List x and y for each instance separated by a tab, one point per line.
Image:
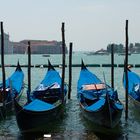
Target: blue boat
14	87
98	101
133	88
44	104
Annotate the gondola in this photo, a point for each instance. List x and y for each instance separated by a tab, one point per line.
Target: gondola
44	105
14	87
133	87
98	101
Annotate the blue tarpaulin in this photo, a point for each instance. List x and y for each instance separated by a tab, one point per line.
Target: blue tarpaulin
38	105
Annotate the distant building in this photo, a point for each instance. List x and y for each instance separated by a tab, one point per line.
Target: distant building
120	48
8	49
38	47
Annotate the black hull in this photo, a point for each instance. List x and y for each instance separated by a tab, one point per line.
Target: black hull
8	108
135	103
103	117
31	121
4	110
99	103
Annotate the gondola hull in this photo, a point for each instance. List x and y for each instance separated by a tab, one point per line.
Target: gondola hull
6	109
101	117
133	88
9	107
13	89
135	103
44	105
99	102
30	120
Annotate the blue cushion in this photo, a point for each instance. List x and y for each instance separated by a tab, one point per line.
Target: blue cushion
38	105
96	106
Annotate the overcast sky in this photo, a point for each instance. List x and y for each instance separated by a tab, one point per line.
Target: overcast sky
89	24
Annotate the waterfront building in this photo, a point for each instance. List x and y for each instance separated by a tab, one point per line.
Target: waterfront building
8	48
38	47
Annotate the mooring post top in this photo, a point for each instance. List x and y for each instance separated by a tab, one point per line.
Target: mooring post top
63	25
1	23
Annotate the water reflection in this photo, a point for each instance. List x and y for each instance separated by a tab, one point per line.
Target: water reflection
41	132
73	126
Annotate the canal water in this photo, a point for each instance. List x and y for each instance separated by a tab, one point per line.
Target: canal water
73	126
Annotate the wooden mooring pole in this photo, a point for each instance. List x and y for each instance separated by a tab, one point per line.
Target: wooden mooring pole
3	71
112	66
29	67
63	59
126	73
70	70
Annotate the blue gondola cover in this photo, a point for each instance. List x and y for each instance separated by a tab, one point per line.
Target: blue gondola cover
38	105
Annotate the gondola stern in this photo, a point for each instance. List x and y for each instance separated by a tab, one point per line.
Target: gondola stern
18	68
83	65
50	66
